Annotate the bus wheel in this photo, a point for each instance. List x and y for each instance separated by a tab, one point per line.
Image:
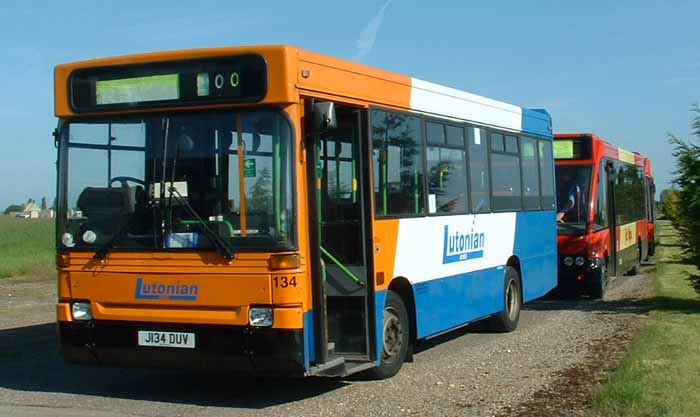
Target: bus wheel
635	269
395	332
507	320
599	282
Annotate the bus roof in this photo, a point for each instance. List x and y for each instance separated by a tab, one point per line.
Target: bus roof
299	73
602	148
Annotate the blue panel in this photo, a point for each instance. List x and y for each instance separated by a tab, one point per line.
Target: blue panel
379	301
537	121
309	342
449	302
536	246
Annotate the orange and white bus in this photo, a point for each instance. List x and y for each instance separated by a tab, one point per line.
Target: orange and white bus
269	210
605	203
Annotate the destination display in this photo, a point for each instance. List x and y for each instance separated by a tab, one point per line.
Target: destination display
572	149
240	78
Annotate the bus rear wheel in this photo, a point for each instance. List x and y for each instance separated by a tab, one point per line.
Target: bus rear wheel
395	333
507	320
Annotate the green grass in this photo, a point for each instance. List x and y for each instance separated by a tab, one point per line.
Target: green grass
27	246
661	374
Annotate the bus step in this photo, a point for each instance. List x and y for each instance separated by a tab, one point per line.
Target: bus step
331	349
334	367
353	367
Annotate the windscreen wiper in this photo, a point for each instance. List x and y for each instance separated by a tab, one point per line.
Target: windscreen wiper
221	245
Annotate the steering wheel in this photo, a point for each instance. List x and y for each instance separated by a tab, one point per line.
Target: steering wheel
123	181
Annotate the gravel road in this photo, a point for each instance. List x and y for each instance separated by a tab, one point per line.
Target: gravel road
465	373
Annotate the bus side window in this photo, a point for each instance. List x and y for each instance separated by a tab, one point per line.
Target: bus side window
531	175
546	174
506	186
447	183
397	154
478	170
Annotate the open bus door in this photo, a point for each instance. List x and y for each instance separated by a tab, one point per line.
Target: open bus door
343	290
611	178
651	216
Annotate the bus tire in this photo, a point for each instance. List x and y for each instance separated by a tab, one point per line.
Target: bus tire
396	328
507	320
599	282
635	269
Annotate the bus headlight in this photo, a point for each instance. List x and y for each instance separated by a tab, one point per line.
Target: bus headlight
261	316
568	261
82	311
580	260
89	237
67	240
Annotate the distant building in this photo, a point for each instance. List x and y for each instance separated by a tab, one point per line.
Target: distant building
32	210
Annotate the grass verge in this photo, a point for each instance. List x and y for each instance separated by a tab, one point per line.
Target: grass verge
661	374
26	246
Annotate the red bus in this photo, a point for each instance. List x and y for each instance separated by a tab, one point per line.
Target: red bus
605	211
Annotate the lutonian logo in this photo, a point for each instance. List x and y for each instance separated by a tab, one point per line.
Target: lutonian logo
160	291
462	246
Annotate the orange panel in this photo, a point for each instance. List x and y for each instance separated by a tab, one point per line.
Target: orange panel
63	286
385	239
204	290
295	113
63	312
289	287
288	318
281	60
164	314
328	75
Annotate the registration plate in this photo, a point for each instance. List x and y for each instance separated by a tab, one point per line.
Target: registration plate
166	339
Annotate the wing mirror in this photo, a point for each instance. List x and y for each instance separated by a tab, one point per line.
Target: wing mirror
323	115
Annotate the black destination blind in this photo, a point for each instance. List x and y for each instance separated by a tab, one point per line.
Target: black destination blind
241	78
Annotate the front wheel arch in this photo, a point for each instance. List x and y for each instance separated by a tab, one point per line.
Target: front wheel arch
404	289
395	325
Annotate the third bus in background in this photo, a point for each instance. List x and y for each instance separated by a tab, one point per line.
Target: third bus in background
605	211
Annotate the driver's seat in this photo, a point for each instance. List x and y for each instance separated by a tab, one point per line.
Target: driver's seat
97	202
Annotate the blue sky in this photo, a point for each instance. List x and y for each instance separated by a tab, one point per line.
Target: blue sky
627	70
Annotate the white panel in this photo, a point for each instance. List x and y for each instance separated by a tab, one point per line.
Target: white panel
440	100
424	252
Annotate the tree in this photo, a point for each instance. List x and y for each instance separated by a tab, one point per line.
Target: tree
43	203
669	202
260	194
13	207
686	214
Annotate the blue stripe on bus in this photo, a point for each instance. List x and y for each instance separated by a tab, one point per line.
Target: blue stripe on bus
379	301
536	247
452	301
537	121
309	344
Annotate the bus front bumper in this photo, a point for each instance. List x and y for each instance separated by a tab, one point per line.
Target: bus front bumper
578	276
234	349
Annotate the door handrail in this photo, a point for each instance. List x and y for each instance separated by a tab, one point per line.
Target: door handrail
342	267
